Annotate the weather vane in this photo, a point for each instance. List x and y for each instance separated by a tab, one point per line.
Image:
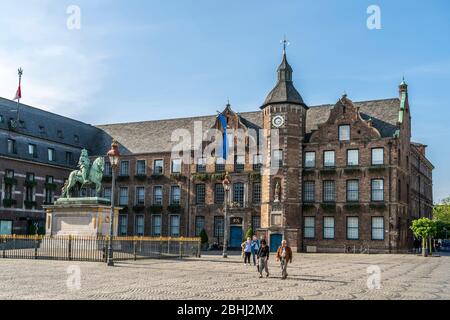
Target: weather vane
285	43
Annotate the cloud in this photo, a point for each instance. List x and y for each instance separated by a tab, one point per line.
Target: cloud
61	73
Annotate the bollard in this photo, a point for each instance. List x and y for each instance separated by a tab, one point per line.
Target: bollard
134	249
70	248
35	246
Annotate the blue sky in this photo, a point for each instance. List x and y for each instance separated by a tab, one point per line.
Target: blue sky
140	60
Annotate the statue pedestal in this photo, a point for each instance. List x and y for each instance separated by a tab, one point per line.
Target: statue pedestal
80	217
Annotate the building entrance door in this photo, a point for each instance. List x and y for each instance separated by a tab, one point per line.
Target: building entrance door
275	241
235	237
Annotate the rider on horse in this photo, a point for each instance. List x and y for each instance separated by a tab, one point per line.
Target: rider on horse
84	164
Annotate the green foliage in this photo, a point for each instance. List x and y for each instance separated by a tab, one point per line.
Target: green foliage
156	209
200	176
10	181
204	236
29	183
218	176
441	212
443	229
141	177
7	203
328	207
424	228
377	206
352	207
249	233
50	186
254	176
174	208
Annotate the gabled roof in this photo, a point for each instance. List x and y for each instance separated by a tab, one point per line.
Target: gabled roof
155	136
383	113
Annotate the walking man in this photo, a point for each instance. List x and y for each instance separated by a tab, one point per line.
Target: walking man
284	255
263	258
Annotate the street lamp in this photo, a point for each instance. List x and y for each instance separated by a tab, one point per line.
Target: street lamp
226	187
114	156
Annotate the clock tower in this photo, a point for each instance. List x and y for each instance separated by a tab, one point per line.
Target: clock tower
284	118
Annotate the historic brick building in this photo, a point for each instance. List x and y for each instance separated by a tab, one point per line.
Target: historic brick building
36	156
339	177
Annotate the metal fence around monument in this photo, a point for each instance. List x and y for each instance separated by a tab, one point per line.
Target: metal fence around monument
79	248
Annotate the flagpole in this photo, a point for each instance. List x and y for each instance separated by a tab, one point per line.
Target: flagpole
20	72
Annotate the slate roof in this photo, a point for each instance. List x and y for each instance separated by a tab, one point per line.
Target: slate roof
155	136
46	130
284	91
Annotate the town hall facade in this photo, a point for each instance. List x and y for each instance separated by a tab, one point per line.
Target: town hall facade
348	175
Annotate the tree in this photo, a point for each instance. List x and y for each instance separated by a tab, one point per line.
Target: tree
442	229
204	237
249	233
426	229
441	212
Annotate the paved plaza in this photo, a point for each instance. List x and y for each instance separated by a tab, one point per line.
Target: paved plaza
311	276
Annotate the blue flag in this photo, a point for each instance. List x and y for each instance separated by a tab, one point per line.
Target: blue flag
223	122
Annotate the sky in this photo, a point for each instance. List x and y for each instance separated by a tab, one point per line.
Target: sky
143	60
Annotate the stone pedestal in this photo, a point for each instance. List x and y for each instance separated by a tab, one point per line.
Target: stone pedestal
80	217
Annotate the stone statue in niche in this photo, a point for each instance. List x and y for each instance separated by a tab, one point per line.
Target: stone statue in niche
277	195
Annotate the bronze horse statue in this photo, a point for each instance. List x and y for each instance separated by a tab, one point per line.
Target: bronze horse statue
94	178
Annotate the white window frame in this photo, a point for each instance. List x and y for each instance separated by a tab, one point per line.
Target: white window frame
375	158
308	227
344	135
171	234
350	228
325	228
352	163
171	195
372	229
154	216
136	226
173	163
137	166
311	162
162	166
137	195
326	157
154	195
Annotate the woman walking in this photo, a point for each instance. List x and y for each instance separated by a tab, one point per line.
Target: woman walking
247	249
263	258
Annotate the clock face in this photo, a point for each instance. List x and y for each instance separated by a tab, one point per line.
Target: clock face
277	121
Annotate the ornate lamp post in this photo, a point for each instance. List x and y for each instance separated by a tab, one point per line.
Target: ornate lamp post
114	156
226	187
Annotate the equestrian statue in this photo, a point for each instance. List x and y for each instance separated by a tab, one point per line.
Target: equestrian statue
87	175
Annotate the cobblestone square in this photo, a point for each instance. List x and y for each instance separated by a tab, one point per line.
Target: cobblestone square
311	276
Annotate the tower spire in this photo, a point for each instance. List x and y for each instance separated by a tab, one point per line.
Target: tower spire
284	91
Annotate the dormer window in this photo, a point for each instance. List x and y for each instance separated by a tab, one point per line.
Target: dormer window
41	129
60	134
76	138
2	119
344	133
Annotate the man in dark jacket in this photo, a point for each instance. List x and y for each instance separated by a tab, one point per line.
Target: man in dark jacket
284	255
263	258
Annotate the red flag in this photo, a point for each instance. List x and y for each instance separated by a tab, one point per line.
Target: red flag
18	93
